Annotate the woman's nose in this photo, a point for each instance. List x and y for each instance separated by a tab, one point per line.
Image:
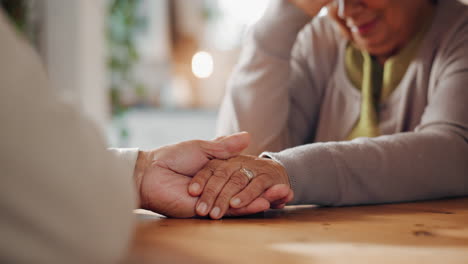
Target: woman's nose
348	8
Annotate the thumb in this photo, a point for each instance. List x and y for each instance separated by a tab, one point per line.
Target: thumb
227	146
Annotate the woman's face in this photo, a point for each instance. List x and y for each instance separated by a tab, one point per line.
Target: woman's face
381	27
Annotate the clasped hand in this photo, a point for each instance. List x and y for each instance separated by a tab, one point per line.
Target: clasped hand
222	184
163	177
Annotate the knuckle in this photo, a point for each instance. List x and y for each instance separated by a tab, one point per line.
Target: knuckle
257	188
238	181
220	175
209	192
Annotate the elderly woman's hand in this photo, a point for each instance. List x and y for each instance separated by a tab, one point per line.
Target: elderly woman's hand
237	182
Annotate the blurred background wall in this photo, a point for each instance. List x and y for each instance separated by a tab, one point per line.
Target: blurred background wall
148	72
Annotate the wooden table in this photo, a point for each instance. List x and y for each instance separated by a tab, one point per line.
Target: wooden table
423	232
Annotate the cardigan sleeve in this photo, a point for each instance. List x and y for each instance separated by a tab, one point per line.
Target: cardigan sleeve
265	94
427	163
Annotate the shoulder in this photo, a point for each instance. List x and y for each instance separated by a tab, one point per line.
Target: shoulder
449	31
445	46
448	42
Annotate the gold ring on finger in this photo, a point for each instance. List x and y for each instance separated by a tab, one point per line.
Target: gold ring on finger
250	175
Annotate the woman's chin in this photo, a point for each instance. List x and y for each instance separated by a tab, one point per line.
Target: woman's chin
377	48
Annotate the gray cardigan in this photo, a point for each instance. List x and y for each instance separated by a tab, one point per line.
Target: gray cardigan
291	92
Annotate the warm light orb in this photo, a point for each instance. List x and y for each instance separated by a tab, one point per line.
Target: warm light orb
202	64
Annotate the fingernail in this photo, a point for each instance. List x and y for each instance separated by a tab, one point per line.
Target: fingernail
202	208
194	187
235	201
215	212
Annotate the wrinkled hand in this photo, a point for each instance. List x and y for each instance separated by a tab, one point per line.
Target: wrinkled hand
311	7
162	176
222	184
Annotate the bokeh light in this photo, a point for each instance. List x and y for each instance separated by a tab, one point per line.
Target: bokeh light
202	64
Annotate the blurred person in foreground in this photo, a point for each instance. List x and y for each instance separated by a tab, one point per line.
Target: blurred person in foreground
366	105
63	197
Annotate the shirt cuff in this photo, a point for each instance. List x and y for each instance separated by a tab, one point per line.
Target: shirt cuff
312	173
127	158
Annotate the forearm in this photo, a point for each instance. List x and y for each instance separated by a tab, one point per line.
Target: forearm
402	167
258	87
256	91
142	164
277	30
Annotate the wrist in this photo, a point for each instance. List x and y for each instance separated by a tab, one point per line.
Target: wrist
279	168
142	164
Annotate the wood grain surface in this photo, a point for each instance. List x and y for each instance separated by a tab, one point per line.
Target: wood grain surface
422	232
